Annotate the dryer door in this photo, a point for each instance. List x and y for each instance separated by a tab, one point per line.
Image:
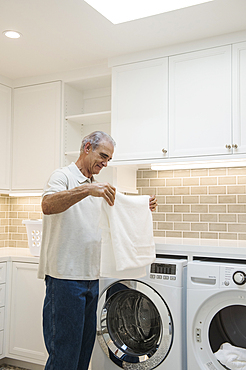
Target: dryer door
228	325
219	331
227	336
135	327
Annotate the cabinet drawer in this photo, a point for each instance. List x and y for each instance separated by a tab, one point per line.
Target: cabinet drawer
2	295
1	318
2	272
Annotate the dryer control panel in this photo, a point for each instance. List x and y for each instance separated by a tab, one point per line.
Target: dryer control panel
232	276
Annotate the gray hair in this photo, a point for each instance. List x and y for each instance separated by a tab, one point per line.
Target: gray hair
95	139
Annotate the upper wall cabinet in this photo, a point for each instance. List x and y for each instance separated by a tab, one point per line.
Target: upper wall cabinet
200	103
5	137
187	105
239	98
140	110
36	135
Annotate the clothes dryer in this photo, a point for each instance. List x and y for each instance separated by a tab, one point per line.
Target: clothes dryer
216	314
141	323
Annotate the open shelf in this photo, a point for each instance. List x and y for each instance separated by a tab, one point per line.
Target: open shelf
90	118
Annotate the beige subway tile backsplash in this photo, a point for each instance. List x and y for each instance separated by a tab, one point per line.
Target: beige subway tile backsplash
208	180
241	180
13	210
203	203
227	180
191	199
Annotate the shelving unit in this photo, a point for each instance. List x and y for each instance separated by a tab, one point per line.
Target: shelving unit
87	108
90	118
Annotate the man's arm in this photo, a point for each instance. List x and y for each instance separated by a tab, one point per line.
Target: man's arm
61	201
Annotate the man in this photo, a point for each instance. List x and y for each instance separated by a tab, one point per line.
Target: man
70	254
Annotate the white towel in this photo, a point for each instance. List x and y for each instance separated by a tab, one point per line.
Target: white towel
127	237
232	357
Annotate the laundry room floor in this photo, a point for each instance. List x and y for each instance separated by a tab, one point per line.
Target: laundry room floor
8	367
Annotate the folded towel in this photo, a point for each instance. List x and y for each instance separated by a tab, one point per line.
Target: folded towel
127	237
232	357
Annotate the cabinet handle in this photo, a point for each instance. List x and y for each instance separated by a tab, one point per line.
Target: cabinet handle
164	151
228	146
235	146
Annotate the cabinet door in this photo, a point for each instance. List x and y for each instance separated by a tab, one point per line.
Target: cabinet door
200	103
36	135
239	98
25	330
139	110
5	129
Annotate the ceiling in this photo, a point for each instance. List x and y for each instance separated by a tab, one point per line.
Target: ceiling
65	35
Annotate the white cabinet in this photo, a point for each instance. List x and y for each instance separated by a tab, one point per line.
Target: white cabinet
140	110
2	304
200	103
186	105
5	137
239	97
36	135
25	328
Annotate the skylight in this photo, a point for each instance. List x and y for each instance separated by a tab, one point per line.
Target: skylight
119	11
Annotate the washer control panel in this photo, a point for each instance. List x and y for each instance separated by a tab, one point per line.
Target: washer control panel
168	272
163	268
231	276
165	271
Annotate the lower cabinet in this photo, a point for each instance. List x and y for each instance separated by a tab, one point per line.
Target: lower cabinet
2	304
25	320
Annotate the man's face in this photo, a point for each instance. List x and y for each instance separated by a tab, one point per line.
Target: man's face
100	157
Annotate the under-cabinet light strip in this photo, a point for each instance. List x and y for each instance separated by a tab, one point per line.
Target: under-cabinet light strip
198	164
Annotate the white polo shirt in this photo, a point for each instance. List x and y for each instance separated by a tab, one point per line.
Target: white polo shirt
71	239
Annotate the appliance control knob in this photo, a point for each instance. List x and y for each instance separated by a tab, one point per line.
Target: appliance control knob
239	277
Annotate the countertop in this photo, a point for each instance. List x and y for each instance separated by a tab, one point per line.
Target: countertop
17	254
174	246
201	247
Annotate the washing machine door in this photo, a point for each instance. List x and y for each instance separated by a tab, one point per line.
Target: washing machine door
135	327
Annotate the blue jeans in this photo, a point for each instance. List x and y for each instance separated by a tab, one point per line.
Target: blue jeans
69	322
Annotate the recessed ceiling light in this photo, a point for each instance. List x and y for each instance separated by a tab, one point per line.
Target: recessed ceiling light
12	34
127	10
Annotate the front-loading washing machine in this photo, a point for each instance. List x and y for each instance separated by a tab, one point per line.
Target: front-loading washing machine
141	322
216	314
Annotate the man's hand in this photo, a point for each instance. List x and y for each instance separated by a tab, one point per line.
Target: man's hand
152	203
103	190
